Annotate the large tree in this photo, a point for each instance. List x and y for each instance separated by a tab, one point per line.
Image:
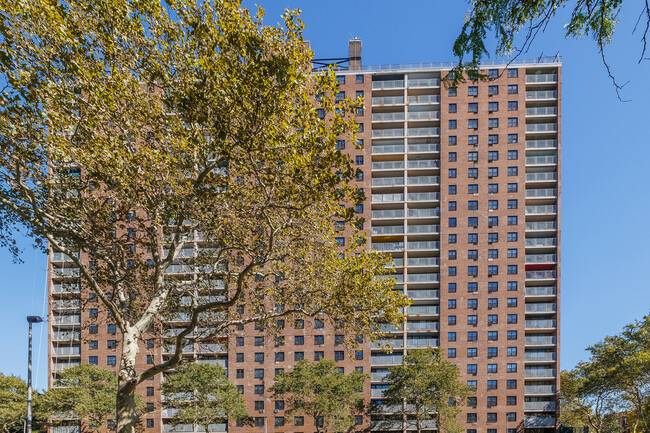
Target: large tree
424	390
200	394
321	391
135	134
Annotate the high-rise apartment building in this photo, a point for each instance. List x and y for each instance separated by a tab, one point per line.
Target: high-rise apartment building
463	190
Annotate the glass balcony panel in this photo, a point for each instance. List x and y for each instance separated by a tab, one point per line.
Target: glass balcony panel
541	111
541	291
388	230
542	159
424	99
423	163
541	308
539	389
387	84
378	149
421	132
426	147
424	261
423	196
541	242
386	359
422	342
387	198
388	117
541	192
388	213
423	115
388	165
541	78
388	100
423	82
382	133
424	213
423	245
423	180
540	275
423	278
541	94
540	324
388	246
422	325
540	177
541	258
541	225
541	127
541	144
423	309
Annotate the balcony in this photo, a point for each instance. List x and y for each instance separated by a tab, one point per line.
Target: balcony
388	246
66	336
394	343
424	213
541	291
422	342
539	372
388	117
388	165
423	180
541	177
388	133
541	308
426	147
540	340
66	304
545	406
65	272
541	225
387	84
67	351
388	198
179	269
60	366
66	288
387	100
423	261
423	196
423	82
386	359
423	99
422	132
541	258
388	230
538	95
537	324
399	278
379	149
539	111
541	127
541	193
539	421
541	160
423	229
541	144
540	242
387	213
60	257
378	376
377	392
539	389
423	278
424	115
549	209
540	356
387	181
396	262
67	320
418	310
541	78
423	163
422	325
541	275
423	245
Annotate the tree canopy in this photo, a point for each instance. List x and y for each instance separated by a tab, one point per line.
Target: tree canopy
173	152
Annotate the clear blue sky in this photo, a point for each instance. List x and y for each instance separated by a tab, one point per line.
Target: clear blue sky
606	157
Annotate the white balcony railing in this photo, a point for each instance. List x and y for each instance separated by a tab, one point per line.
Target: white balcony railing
541	291
541	94
422	132
424	99
424	213
423	82
387	198
423	245
541	78
539	111
423	261
387	133
541	177
423	115
541	225
423	228
426	147
423	196
541	258
423	163
423	278
378	149
541	242
541	193
388	213
541	127
388	117
541	275
388	165
388	230
423	180
387	181
542	159
541	144
387	84
541	308
387	100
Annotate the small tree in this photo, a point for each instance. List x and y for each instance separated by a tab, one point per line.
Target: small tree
424	388
13	405
202	395
319	390
85	392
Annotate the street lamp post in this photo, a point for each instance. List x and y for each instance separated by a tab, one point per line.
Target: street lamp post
31	320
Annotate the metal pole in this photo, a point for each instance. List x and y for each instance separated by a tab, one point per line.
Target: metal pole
29	382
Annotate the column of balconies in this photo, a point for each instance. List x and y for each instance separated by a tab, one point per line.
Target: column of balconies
541	149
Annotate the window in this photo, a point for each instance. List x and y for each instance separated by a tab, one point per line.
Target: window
511	367
240	389
339	355
452	222
472	222
472	271
511	384
340	79
493	352
451	304
512	351
512	318
493	204
452	173
359	79
513	105
512	302
493	221
512	220
279	421
511	416
493	155
513	171
472	287
471	417
259	373
452	108
319	340
472	304
452	255
472	91
299	420
493	336
472	320
513	89
493	106
472	107
359	175
453	140
451	353
472	238
150	391
472	123
511	400
472	140
493	139
358	355
493	172
493	253
512	286
358	208
451	336
493	319
512	204
297	356
472	352
472	254
452	206
472	188
452	189
259	341
512	187
513	121
512	73
240	357
512	269
493	123
472	368
493	238
492	368
493	74
512	335
493	303
452	239
452	271
513	155
340	144
150	423
472	156
359	159
452	156
512	236
259	389
513	138
491	416
453	124
93	313
111	329
451	287
299	340
150	344
472	173
493	90
451	320
149	359
93	360
493	286
340	241
452	91
472	205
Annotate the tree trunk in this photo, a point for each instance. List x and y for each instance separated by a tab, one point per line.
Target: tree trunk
126	416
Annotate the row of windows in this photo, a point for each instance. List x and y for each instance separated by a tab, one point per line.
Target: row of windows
493	253
493	107
298	340
472	303
472	188
493	319
492	123
491	417
340	144
493	139
493	286
492	204
491	368
472	238
493	221
493	90
472	352
473	335
358	79
493	155
297	356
